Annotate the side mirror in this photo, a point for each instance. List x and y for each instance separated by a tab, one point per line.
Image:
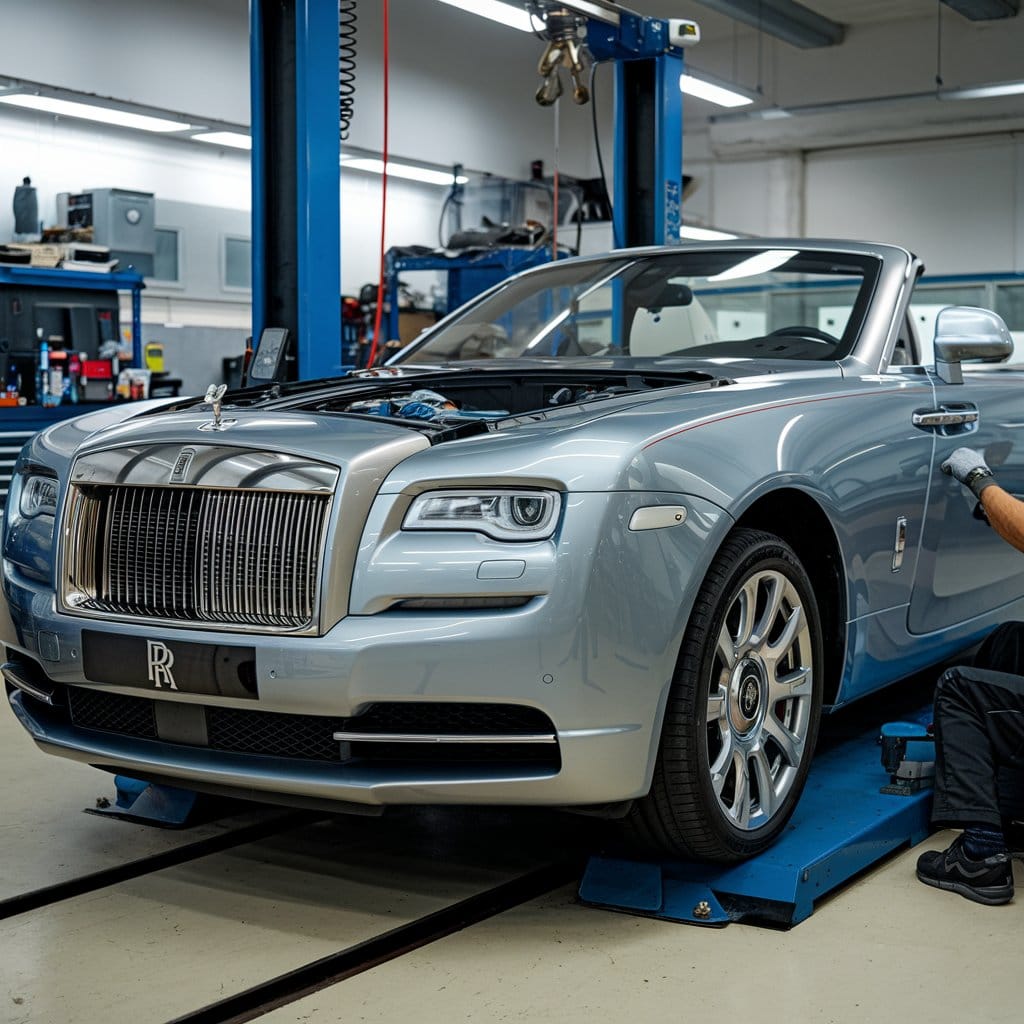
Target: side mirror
967	332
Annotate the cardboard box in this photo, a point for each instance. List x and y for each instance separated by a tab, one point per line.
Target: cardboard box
43	255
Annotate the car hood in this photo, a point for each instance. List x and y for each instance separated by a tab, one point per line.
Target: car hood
625	400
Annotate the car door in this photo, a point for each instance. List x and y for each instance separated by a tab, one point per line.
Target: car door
965	569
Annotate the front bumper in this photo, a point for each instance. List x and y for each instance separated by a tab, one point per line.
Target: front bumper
595	654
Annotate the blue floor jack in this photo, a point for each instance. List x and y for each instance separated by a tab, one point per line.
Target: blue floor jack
845	822
147	803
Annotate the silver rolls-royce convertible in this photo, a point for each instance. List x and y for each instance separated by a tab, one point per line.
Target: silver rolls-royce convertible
609	537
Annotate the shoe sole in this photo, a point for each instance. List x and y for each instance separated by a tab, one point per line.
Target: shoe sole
990	896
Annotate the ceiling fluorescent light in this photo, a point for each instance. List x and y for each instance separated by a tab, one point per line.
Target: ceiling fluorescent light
703	234
982	92
427	175
236	140
705	88
762	263
506	14
89	112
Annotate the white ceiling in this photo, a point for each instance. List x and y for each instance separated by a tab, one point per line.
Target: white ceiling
846	12
890	49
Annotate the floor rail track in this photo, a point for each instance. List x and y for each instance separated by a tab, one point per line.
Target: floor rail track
346	963
60	891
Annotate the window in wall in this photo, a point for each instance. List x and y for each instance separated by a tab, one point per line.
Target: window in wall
237	262
1010	305
167	257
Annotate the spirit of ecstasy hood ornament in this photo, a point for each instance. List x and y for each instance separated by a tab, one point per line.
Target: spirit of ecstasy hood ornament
214	396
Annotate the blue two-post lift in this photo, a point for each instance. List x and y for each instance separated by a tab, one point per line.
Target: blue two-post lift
842	823
296	153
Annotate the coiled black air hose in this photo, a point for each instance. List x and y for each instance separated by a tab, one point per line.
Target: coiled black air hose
346	63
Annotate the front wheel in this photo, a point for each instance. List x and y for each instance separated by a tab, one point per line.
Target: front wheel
743	709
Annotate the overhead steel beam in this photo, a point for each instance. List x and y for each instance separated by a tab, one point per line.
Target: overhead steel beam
985	10
785	19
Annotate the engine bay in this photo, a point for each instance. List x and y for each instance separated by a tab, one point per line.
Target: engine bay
478	401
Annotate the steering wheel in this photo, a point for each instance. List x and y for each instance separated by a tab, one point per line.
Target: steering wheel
810	333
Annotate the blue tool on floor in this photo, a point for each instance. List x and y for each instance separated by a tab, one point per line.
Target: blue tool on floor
843	824
149	804
908	755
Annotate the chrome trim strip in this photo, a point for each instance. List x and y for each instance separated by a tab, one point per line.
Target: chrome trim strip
11	673
402	737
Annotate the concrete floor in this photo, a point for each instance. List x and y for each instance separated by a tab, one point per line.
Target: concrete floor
160	946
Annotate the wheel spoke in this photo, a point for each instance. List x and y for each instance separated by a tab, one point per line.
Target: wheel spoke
774	652
741	792
776	587
765	782
747	599
790	745
726	650
716	705
799	683
720	769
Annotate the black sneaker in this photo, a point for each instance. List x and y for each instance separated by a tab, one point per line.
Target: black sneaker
988	881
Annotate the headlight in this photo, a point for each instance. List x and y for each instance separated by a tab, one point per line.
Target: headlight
38	496
503	515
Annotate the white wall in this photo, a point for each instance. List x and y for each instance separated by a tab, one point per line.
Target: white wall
69	156
462	90
461	87
190	56
958	204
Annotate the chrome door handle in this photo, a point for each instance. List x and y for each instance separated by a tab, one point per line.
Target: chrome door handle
944	417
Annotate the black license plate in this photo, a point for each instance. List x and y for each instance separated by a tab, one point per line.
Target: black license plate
169	665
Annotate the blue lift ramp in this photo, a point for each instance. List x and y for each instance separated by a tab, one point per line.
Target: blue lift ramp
842	825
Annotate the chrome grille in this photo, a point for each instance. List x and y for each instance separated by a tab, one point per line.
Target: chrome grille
199	554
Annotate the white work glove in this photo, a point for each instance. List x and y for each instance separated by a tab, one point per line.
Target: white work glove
970	468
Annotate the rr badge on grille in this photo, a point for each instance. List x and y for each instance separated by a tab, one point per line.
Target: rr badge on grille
161	660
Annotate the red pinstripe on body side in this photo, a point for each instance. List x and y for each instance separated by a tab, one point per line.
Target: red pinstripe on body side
778	405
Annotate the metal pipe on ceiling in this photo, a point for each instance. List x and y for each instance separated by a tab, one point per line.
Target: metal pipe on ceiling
985	10
785	19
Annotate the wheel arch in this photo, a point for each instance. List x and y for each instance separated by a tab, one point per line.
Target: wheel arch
801	522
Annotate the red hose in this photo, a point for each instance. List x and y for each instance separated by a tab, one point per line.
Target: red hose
384	195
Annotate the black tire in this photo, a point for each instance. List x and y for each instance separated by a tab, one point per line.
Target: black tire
736	744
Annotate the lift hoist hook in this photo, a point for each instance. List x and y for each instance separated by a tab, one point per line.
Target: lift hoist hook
565	48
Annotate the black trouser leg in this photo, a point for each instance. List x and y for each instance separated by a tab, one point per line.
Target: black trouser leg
979	729
1003	650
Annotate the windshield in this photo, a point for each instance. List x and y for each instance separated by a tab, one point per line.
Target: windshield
708	303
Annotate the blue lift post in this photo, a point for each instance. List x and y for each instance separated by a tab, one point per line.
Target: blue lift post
296	153
648	158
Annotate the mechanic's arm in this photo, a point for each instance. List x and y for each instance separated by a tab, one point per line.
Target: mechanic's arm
1004	512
